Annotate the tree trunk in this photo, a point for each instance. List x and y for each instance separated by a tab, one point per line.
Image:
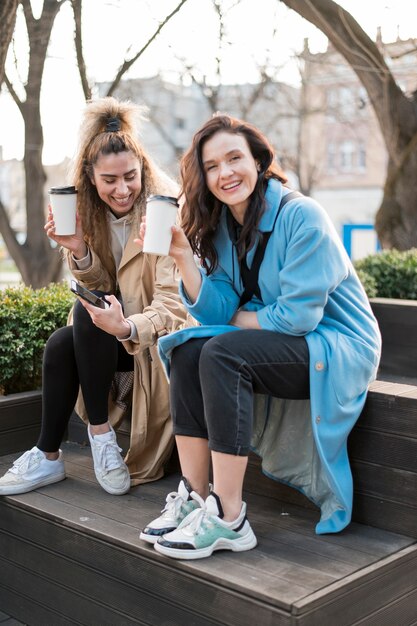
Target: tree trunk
38	263
8	10
396	220
36	260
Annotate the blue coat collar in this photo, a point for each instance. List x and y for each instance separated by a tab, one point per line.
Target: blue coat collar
274	193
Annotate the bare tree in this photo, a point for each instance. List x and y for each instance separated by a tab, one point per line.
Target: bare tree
267	103
396	220
8	10
36	260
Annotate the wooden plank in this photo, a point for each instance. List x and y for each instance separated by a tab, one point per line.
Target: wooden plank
87	524
42	588
234	573
351	600
383	449
280	551
145	572
288	556
401	611
29	611
386	413
284	516
392	516
372	541
20	420
215	565
138	513
388	483
87	593
396	384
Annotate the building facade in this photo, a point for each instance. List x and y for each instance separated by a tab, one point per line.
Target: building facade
325	134
342	139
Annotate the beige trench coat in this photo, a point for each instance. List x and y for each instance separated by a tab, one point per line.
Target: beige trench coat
149	288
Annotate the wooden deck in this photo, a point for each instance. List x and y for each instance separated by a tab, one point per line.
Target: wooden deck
70	554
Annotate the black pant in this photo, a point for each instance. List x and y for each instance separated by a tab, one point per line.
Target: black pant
213	380
76	355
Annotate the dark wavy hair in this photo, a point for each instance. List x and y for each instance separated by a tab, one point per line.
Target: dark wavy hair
201	210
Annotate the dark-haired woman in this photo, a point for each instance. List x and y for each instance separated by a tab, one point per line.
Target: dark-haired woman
286	348
109	355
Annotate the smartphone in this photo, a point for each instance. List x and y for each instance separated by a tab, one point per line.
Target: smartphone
88	295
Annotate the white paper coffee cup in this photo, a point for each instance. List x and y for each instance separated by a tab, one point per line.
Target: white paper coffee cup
64	207
161	215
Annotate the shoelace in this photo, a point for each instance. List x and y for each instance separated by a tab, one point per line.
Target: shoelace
109	455
173	504
195	520
23	463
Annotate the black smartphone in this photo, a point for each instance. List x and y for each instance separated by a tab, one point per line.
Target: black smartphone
88	295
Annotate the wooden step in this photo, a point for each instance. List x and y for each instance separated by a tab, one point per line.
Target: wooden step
20	421
70	554
383	453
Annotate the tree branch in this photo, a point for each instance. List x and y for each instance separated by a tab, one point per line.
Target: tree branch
362	54
127	64
8	10
77	10
7	232
14	95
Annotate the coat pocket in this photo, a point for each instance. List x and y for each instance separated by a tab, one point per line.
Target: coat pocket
354	365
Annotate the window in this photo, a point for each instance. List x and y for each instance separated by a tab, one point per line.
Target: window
332	97
347	151
362	156
347	99
331	156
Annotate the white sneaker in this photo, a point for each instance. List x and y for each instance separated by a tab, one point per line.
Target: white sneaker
110	469
178	505
204	530
30	471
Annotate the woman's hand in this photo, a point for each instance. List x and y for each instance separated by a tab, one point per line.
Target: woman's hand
179	247
111	319
181	251
73	243
245	319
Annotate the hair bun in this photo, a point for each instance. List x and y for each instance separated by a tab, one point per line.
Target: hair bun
113	125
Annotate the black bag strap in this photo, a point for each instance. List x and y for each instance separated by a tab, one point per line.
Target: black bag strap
250	276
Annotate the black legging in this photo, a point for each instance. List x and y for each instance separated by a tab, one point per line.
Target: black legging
79	355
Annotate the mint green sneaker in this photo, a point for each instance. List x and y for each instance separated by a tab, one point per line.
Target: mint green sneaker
178	505
204	531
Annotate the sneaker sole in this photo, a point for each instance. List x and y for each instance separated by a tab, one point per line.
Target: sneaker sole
236	545
15	490
149	538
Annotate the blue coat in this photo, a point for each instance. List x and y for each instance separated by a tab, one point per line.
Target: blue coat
309	288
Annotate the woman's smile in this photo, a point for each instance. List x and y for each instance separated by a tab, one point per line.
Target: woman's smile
231	171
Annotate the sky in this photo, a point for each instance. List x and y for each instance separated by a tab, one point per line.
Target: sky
113	29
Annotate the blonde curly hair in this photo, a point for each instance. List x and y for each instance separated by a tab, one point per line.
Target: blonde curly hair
111	126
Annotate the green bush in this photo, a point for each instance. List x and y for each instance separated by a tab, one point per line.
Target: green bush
368	282
27	319
389	274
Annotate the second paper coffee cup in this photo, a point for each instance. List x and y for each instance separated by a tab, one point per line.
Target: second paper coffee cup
161	215
64	208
